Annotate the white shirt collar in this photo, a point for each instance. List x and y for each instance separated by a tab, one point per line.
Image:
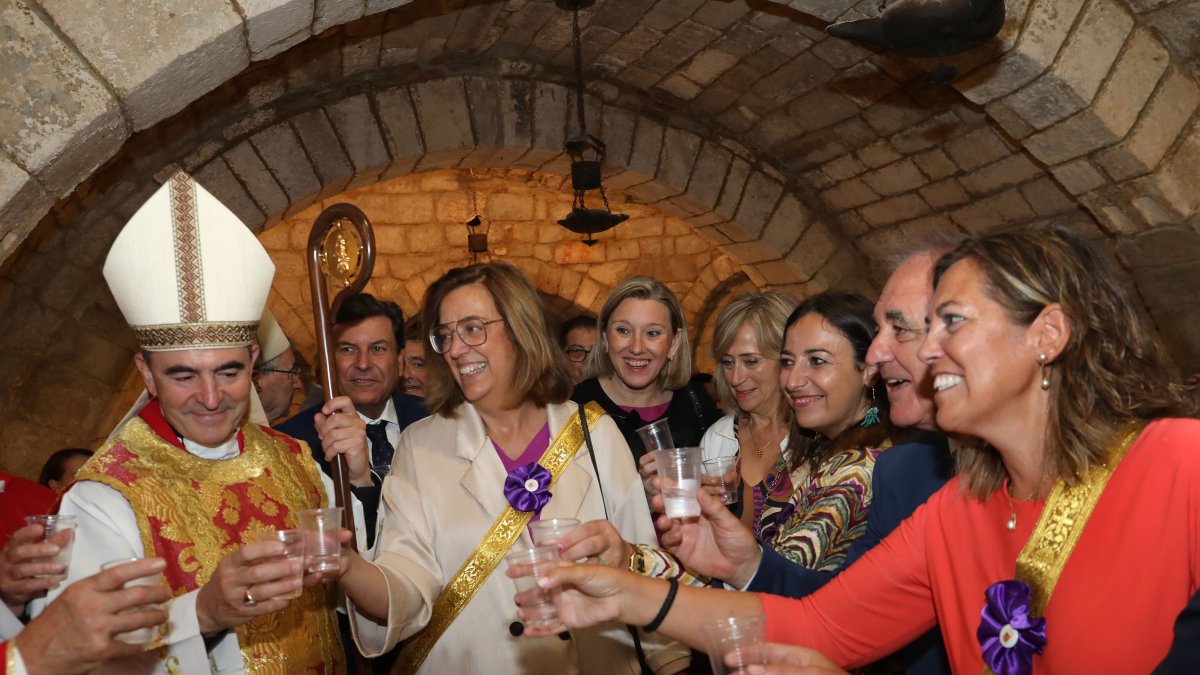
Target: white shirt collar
226	450
389	414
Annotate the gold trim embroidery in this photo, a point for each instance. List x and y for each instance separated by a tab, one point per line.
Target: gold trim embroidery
189	270
196	336
483	560
1062	521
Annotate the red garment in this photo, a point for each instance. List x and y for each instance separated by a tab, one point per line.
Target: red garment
1136	565
21	498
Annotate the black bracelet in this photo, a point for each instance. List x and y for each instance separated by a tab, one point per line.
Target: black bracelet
666	606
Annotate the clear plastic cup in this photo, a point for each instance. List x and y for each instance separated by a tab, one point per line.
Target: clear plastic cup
734	642
148	634
722	468
530	565
656	436
550	530
57	530
293	550
679	474
322	543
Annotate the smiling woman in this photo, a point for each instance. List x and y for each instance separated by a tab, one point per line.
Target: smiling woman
501	429
642	364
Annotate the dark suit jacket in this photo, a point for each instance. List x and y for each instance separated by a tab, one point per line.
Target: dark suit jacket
905	476
1184	656
409	409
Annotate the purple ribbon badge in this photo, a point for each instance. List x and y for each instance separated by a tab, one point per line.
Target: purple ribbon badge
1008	635
527	487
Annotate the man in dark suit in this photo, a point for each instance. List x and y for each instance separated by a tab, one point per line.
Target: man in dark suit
368	357
905	476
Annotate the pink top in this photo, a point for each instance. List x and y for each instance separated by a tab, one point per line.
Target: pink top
1136	565
649	413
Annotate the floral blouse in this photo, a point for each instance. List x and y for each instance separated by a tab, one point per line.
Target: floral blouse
816	523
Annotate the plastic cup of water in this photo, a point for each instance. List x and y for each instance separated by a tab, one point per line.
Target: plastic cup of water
549	530
734	642
322	545
293	551
57	530
722	468
137	636
679	474
526	567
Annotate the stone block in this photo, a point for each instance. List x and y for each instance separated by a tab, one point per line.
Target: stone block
617	128
864	83
398	119
550	104
894	210
944	193
849	194
980	147
272	26
1073	81
1047	24
758	202
284	156
982	215
513	207
842	168
157	56
930	133
711	165
1079	176
819	109
894	178
356	125
1178	175
935	164
813	250
319	139
893	113
329	13
1047	197
1161	122
1012	170
731	192
708	65
220	181
789	221
250	169
774	130
679	152
443	114
56	120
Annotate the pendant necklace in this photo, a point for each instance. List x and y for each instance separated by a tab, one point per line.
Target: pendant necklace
1011	525
758	452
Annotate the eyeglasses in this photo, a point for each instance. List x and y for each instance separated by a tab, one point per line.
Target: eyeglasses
472	332
294	372
577	354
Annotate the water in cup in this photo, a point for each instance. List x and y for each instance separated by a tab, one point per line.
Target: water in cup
58	530
323	548
530	565
679	474
137	636
293	551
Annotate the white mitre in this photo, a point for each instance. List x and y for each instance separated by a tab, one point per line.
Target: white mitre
187	273
271	339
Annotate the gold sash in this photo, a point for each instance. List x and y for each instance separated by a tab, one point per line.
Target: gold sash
1063	518
495	545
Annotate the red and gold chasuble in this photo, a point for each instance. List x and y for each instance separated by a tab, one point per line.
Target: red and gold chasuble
192	512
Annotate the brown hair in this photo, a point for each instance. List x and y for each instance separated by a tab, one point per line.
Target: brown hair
853	316
766	314
541	373
678	370
1113	366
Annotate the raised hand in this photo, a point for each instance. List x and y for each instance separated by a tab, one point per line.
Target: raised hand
597	540
716	544
790	660
343	432
26	568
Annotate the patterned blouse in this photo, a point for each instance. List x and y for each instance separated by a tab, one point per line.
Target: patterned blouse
827	511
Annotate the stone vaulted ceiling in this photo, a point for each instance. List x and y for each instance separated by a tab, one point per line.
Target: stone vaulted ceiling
804	159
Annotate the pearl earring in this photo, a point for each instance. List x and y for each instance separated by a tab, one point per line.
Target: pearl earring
1045	375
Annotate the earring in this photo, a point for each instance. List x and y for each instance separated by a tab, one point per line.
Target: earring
1045	375
872	417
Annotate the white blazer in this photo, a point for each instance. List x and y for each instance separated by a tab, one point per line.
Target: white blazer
445	491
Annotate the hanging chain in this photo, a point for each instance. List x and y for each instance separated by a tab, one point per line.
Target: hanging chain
578	45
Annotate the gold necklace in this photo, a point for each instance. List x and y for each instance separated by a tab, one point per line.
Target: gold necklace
758	452
1011	525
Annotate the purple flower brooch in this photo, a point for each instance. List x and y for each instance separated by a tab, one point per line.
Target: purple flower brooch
527	487
1008	635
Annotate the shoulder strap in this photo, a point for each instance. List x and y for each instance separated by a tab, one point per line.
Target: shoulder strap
487	555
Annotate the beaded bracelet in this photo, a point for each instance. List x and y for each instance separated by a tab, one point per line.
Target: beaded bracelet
666	606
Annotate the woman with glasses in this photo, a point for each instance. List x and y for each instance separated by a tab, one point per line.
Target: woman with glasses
642	367
498	393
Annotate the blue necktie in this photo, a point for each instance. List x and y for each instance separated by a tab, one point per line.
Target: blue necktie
381	449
